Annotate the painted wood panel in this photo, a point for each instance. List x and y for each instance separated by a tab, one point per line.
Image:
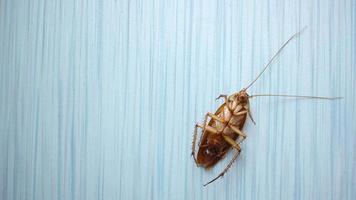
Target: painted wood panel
98	99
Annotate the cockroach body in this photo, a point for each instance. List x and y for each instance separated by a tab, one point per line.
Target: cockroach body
223	130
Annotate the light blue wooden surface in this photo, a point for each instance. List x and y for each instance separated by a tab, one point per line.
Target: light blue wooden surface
98	99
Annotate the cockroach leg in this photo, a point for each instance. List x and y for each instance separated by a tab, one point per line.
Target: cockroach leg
247	107
222	95
194	140
205	127
238	108
237	131
205	122
253	121
226	168
238	150
226	100
240	113
232	142
217	118
211	129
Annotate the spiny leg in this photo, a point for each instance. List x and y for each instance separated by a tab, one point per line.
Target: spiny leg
194	141
237	147
240	113
238	132
222	96
226	168
232	142
204	124
210	128
204	127
195	136
217	118
247	107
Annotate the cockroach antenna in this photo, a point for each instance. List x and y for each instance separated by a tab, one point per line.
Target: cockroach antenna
275	55
270	62
294	96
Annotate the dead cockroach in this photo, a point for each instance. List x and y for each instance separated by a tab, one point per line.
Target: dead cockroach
224	128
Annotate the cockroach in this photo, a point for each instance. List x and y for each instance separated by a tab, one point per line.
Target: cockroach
222	130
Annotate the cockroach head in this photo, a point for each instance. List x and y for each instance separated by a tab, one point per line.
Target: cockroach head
242	96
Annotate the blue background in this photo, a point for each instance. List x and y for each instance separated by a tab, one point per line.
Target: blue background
98	99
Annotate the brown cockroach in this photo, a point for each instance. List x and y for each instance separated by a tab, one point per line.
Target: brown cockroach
224	128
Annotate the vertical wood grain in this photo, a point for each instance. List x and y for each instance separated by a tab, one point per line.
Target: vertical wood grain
98	99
